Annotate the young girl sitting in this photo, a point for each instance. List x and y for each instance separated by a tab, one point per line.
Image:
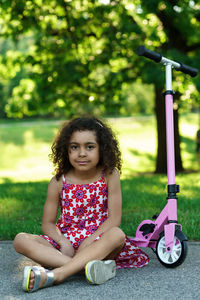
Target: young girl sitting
87	188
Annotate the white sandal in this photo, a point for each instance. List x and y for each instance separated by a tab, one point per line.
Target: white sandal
99	271
37	278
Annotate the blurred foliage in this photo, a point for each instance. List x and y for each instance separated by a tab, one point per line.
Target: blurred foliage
63	57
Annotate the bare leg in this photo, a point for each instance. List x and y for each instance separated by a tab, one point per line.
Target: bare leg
41	251
110	241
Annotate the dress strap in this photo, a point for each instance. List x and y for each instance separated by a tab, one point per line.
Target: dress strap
63	178
102	174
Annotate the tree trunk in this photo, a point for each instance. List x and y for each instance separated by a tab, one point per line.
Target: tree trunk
161	162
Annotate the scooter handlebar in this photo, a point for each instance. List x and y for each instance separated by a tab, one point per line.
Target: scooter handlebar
157	57
142	51
187	70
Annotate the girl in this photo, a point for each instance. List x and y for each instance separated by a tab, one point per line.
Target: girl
86	236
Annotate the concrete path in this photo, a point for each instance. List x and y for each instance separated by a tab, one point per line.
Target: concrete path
151	282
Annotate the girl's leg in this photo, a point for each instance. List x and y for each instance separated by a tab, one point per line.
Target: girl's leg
110	241
40	250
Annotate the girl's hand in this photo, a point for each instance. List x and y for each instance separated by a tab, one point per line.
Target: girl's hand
66	247
87	242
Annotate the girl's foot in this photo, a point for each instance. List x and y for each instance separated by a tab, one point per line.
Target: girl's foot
98	271
36	278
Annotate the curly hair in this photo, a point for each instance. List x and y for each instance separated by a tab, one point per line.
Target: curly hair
109	153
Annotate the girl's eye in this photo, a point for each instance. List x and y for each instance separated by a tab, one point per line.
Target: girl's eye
90	147
74	147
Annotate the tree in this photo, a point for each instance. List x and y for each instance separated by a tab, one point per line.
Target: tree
173	26
169	27
71	54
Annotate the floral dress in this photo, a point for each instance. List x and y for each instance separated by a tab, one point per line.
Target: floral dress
83	210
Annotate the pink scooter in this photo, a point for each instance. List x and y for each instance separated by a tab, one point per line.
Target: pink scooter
164	235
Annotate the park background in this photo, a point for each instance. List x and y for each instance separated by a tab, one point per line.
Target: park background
60	59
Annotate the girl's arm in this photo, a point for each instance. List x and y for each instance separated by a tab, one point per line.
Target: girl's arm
50	213
114	208
114	201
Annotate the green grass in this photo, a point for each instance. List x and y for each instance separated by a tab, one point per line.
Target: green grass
145	196
25	172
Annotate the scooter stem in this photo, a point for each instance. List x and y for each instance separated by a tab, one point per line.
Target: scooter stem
168	76
169	125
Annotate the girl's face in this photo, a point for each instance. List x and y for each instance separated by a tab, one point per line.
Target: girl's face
83	150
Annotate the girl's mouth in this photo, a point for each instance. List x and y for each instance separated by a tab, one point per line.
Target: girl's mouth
82	162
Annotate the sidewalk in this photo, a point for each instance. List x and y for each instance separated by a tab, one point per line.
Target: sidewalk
151	282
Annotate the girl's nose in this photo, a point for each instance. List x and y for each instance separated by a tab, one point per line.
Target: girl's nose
82	152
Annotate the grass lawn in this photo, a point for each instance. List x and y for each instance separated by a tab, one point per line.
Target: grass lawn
25	171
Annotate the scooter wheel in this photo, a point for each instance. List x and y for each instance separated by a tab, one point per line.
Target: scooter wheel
176	257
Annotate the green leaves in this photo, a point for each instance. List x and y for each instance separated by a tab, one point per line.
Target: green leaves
75	50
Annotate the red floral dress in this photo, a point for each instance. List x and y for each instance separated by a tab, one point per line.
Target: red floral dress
83	210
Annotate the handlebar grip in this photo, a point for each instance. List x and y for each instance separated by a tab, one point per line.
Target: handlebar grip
187	70
142	51
157	57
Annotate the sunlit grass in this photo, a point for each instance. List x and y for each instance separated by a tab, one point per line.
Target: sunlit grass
25	150
25	146
25	170
138	141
